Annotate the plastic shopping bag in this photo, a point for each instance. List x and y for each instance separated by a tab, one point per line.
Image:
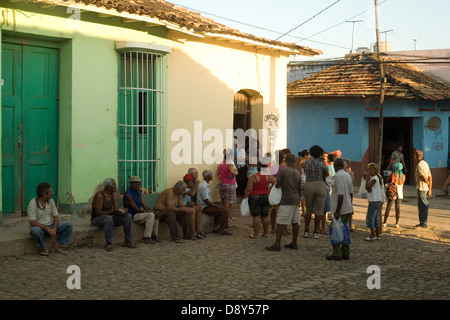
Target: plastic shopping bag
362	189
275	196
344	227
336	231
245	209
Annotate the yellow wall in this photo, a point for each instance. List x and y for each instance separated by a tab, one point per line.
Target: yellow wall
203	80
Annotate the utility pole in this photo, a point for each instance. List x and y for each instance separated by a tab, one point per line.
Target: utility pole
382	80
353	31
415	40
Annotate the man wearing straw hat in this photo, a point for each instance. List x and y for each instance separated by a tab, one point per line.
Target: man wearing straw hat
141	213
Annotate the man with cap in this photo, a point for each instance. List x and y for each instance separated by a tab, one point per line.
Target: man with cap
423	186
141	213
190	200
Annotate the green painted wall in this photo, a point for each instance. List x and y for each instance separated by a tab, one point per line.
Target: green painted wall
88	97
1	195
94	114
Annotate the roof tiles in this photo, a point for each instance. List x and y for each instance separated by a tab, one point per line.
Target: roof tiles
359	77
184	18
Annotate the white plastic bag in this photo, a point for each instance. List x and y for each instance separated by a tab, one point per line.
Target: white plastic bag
275	196
245	209
362	189
337	233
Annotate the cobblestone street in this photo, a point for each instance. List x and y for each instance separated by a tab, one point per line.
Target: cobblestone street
413	264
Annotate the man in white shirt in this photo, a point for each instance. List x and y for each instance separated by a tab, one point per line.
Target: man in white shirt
341	205
44	220
208	207
423	186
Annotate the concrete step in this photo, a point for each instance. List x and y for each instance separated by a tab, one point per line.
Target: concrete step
15	239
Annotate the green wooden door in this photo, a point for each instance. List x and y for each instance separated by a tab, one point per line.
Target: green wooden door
29	123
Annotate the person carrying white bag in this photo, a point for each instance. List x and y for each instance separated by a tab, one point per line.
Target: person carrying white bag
342	208
289	180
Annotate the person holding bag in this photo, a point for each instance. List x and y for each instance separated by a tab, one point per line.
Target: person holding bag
342	208
289	180
257	192
398	178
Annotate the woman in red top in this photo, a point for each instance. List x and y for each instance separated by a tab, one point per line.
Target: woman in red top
257	192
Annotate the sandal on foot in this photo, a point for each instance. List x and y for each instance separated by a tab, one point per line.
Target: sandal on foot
252	236
225	233
58	251
291	246
273	248
129	244
108	247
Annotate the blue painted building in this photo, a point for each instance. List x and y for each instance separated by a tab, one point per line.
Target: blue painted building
338	108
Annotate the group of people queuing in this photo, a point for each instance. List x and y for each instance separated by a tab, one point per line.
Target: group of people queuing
316	184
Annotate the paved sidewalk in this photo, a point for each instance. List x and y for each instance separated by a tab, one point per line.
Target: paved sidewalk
413	264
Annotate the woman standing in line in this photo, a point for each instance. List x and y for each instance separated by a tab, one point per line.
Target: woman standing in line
257	192
305	155
314	189
226	173
398	177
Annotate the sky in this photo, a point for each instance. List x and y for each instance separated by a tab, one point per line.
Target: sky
322	24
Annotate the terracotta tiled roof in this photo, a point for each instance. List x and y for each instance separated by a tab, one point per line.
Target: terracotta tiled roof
359	77
192	21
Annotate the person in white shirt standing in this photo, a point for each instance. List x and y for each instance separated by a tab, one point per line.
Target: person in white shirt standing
373	187
341	205
423	186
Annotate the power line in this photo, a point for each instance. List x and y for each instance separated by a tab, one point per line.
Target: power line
258	27
338	24
308	19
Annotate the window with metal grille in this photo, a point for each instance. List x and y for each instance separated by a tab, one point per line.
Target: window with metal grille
140	117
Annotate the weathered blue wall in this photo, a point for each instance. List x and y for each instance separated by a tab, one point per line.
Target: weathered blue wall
312	121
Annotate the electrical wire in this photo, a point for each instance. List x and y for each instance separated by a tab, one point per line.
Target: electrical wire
308	20
338	24
259	27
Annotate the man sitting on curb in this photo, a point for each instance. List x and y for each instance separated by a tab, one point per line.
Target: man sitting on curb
44	219
169	213
190	200
105	214
208	207
141	213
